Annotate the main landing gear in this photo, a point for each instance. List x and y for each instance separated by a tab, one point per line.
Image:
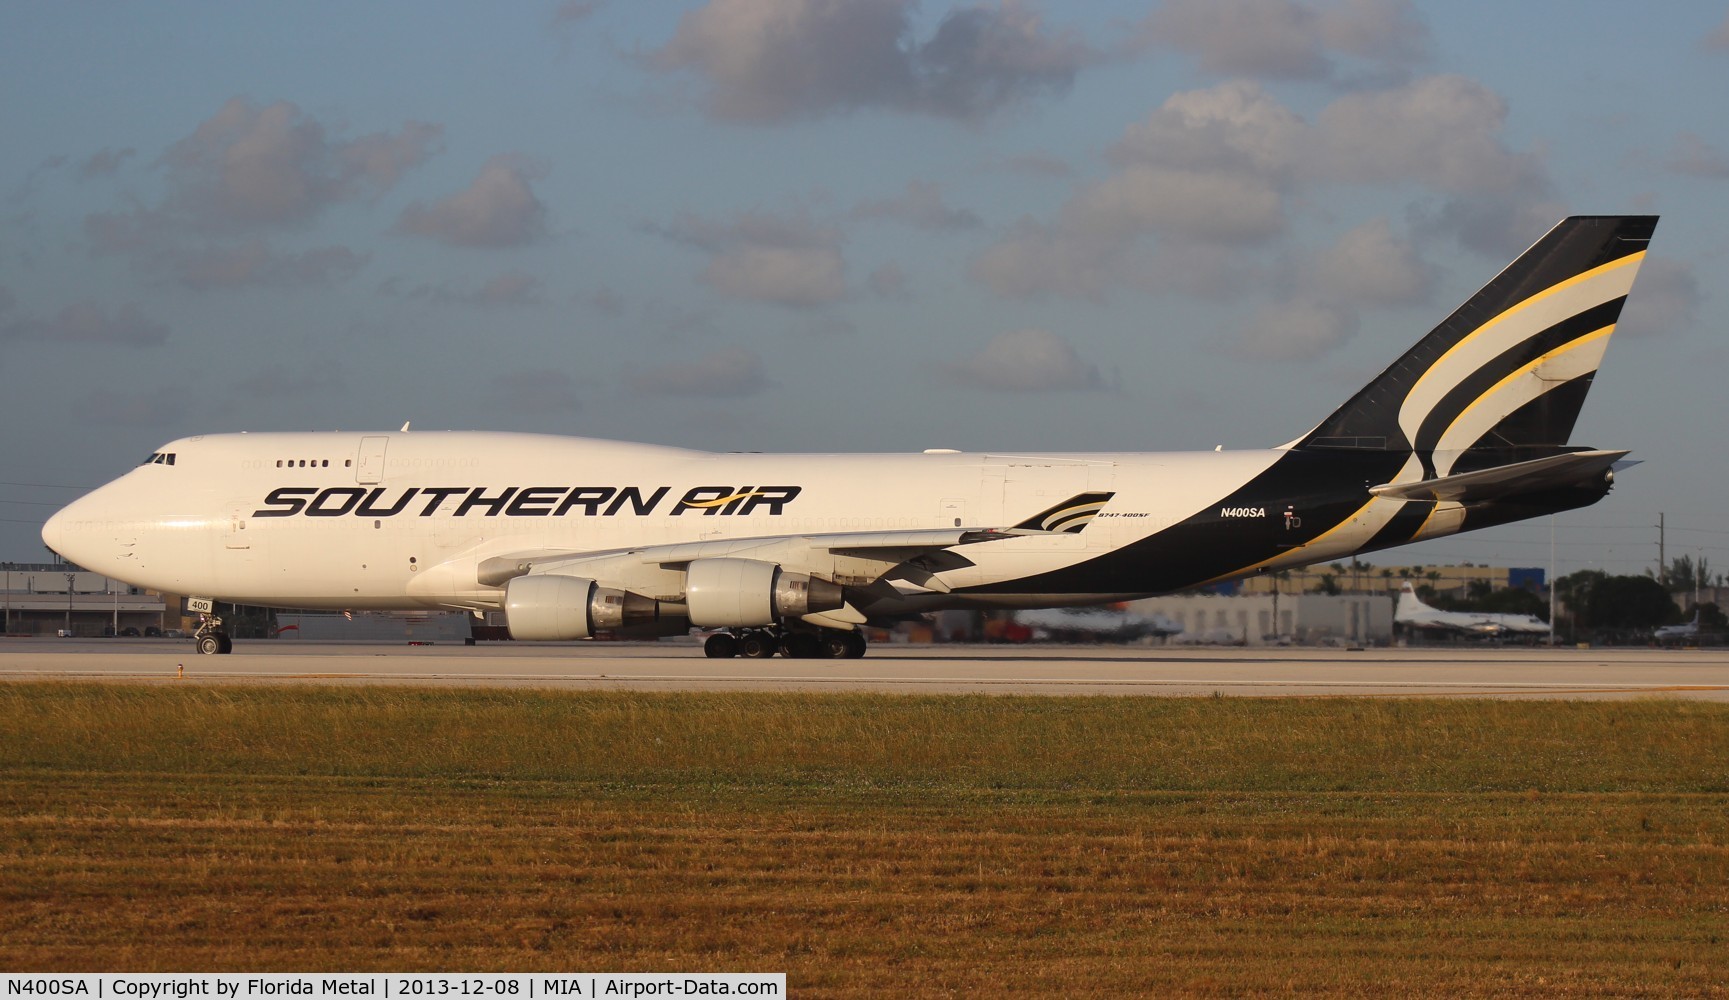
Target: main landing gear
759	643
209	639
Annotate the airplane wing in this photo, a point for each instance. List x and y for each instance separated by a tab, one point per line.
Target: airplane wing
1554	472
900	562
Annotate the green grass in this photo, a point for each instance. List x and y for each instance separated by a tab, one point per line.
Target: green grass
864	843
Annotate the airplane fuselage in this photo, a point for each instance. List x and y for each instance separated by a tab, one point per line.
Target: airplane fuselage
373	521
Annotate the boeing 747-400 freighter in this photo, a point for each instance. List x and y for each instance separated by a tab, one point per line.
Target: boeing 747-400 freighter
570	537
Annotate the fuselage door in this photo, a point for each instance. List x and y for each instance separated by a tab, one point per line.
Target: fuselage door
369	470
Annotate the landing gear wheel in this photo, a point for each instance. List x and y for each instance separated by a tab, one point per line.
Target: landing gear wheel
855	645
801	646
720	646
757	645
834	645
209	644
223	643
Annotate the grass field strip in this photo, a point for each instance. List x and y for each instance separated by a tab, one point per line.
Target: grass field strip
920	844
1366	688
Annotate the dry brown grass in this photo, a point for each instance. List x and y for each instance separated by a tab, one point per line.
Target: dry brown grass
923	845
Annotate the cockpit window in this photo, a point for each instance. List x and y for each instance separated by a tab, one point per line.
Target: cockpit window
159	458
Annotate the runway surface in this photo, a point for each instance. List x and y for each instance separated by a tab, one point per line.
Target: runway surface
1049	670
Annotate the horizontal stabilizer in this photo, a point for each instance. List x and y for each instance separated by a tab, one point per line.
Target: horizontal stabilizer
1554	472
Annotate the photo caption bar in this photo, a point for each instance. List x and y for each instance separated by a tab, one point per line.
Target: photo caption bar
390	986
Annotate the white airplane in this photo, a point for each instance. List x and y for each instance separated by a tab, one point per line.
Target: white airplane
1095	625
1413	612
1678	633
570	537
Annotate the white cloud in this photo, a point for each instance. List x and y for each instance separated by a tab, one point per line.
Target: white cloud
920	205
984	58
1234	126
1026	361
104	162
499	209
1496	226
1719	38
1295	329
1223	167
574	12
732	371
1206	168
889	281
250	166
1326	290
791	276
778	60
785	260
1440	131
1200	204
1034	259
1370	266
380	159
245	171
1284	39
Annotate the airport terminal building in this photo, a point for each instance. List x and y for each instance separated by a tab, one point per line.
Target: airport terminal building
57	598
1268	619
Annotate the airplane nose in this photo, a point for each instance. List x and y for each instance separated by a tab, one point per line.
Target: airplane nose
54	532
68	533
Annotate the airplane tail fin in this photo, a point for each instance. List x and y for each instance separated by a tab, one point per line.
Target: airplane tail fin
1409	603
1502	379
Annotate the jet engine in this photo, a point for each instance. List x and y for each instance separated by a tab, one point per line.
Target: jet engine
552	607
745	592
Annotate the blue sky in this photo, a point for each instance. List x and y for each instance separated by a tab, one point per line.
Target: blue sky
811	225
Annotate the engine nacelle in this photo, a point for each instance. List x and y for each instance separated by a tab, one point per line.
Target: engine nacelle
550	607
745	592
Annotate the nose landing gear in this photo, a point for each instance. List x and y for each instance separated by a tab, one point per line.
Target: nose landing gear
209	639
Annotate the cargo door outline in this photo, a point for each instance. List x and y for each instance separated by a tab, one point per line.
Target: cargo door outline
369	468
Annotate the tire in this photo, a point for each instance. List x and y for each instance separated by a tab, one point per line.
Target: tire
834	645
757	645
720	646
208	645
855	645
801	646
224	644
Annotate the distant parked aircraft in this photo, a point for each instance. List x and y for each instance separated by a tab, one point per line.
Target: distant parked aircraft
1679	633
1414	613
1096	625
